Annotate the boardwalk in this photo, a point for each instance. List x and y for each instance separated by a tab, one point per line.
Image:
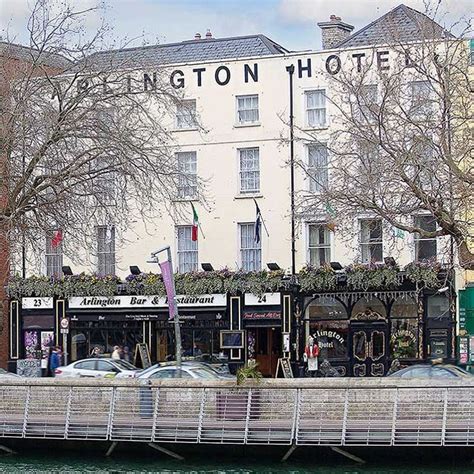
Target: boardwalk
345	412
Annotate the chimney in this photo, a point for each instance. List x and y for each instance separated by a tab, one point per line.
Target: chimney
208	34
197	36
334	31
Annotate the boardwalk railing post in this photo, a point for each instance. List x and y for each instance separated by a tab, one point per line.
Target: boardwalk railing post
445	414
394	418
201	414
155	413
247	418
110	420
344	417
68	413
25	413
296	416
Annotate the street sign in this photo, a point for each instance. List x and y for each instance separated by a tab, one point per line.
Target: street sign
64	325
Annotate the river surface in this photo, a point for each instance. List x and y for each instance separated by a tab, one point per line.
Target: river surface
151	463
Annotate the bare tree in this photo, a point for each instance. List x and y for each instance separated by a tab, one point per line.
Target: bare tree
400	146
89	146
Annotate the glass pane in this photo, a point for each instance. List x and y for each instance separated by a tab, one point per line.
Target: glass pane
378	345
359	342
404	338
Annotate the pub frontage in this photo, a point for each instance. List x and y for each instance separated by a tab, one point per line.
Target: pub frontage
359	333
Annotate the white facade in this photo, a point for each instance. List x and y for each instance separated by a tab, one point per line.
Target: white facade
241	154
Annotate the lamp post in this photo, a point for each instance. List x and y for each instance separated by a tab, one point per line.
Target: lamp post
168	279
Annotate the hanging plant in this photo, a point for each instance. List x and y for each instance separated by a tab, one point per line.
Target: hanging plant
423	274
317	279
364	277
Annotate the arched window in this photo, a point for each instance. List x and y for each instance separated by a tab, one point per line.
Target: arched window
404	329
369	309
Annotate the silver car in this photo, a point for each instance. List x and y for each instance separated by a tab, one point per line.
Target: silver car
97	367
171	371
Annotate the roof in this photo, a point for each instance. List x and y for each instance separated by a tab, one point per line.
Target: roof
402	24
201	50
18	51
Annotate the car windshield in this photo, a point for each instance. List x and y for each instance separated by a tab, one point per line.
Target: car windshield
204	374
124	364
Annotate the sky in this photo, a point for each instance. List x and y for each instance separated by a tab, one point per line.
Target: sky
291	23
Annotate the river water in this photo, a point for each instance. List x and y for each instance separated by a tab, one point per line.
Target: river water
154	462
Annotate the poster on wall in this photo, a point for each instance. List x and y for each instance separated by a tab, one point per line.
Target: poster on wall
31	344
47	341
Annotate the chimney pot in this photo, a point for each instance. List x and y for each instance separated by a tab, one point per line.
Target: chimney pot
197	36
208	34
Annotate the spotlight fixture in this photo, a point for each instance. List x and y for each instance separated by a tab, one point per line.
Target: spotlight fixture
390	261
273	266
336	266
207	267
134	270
67	270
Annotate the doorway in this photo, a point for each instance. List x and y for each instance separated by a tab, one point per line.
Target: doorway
369	349
267	349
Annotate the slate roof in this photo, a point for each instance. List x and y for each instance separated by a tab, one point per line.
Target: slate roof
26	53
188	52
401	24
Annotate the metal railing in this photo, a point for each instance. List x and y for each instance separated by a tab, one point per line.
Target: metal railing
318	412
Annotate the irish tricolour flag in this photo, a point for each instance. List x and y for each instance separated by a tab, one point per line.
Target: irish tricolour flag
194	234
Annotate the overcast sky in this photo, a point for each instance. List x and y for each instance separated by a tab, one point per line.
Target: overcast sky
291	23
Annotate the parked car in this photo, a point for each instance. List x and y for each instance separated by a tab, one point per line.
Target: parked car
219	364
5	374
431	371
97	367
189	370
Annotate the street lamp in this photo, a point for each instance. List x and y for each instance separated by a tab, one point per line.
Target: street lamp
168	279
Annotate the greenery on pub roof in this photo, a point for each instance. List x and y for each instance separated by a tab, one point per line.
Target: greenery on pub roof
311	279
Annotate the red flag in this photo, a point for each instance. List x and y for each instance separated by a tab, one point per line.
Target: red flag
57	239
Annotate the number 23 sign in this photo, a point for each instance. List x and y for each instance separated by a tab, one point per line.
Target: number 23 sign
37	303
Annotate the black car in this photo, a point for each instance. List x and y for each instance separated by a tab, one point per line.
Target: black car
431	371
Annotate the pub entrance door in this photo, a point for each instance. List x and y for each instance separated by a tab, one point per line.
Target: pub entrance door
267	349
369	349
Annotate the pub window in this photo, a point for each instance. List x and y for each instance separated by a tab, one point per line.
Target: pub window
247	109
425	247
250	249
318	167
54	253
315	107
369	309
329	326
187	179
319	244
438	307
186	115
187	250
106	250
249	166
371	242
404	329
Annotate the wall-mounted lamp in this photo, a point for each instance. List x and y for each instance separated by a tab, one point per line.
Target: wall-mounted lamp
134	270
390	261
273	266
207	267
67	270
336	266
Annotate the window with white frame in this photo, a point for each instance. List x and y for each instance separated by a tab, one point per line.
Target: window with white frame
366	102
106	180
186	115
250	249
54	253
371	240
249	169
421	98
187	250
187	179
318	167
425	247
315	107
106	250
247	109
319	244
